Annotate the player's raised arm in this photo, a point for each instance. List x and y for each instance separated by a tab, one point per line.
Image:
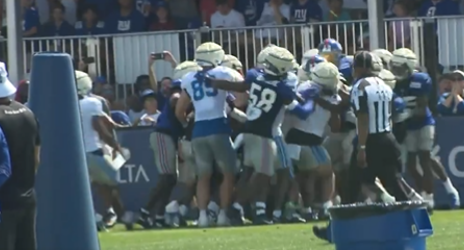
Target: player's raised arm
228	84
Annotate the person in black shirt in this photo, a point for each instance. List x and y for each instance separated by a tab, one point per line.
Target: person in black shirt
17	195
378	152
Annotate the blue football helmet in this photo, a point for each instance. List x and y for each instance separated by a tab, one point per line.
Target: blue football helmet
312	62
331	50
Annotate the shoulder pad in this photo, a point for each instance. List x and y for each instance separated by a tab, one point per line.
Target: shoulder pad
420	77
345	63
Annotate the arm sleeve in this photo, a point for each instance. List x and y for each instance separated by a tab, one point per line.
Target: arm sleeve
359	100
97	109
5	160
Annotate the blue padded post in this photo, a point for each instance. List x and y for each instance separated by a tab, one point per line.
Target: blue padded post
65	215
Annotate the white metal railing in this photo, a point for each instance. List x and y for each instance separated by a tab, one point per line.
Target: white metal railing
122	58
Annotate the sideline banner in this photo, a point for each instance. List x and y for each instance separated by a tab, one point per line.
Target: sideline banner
449	148
138	176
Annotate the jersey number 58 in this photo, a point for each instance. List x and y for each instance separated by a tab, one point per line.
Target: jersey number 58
261	100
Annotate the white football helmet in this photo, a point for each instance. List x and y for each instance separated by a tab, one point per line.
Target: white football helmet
262	55
185	67
278	61
308	54
83	82
232	62
403	63
326	74
385	56
388	78
209	54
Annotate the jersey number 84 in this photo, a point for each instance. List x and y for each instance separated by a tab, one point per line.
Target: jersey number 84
261	100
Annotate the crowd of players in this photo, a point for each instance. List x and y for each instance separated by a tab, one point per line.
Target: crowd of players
233	139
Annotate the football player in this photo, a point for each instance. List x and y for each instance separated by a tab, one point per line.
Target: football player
269	94
415	88
314	161
211	141
308	55
179	201
385	56
95	131
332	50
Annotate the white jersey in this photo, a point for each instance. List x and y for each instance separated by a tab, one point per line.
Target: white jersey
209	103
289	119
317	122
90	107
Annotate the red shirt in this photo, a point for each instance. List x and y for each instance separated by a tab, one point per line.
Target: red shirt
169	25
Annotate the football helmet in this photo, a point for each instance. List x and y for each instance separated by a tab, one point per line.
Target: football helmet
326	75
185	67
403	63
331	50
308	54
388	78
385	56
209	54
83	82
232	62
278	61
262	55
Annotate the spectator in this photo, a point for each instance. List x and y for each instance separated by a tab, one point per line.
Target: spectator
305	11
183	11
150	105
275	12
445	83
90	24
31	21
226	17
399	30
251	10
439	8
452	103
162	90
57	26
336	12
209	7
126	19
163	20
104	7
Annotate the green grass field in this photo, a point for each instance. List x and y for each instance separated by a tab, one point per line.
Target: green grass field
448	235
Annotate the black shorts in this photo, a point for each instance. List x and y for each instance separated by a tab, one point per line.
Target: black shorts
383	157
17	229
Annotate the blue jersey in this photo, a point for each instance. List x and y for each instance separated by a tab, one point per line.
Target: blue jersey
267	98
345	67
167	122
419	84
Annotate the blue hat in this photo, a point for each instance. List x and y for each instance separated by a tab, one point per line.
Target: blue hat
176	83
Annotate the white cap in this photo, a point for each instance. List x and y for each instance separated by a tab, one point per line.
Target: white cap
7	89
